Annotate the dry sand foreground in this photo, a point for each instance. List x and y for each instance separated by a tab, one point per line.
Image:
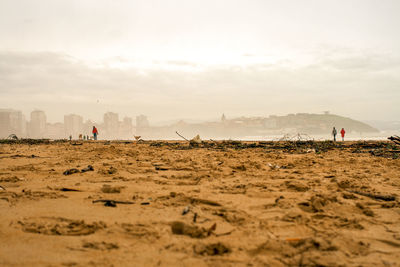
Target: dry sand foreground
253	205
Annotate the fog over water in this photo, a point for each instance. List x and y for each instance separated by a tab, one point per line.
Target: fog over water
191	59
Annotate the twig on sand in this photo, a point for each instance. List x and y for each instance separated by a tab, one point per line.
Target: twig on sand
69	189
226	233
388	242
111	202
204	201
181	136
374	196
115	201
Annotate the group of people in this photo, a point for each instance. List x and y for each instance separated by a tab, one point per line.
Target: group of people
334	133
95	132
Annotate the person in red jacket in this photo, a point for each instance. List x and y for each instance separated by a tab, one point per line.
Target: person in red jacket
342	132
95	133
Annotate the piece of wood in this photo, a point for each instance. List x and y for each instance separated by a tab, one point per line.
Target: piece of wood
204	201
77	144
226	233
374	196
395	139
181	136
111	200
69	189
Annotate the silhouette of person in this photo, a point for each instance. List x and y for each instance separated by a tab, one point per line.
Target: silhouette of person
334	133
95	133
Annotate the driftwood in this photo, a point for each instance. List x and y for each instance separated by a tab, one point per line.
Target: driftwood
374	196
71	171
69	189
115	201
226	233
181	136
76	144
88	168
204	201
389	242
20	156
75	170
395	139
111	202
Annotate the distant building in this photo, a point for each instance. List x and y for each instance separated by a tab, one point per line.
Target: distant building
12	122
111	125
142	122
88	127
73	125
270	123
126	129
55	130
37	125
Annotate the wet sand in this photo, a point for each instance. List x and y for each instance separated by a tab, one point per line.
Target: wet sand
167	204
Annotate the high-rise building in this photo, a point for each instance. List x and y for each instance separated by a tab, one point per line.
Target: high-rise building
37	125
55	130
111	125
142	121
73	125
142	125
88	127
126	129
12	122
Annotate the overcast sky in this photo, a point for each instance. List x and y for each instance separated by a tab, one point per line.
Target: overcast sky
172	59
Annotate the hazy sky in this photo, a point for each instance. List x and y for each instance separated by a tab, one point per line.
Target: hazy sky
173	59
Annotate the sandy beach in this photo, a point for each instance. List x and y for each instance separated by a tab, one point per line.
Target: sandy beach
216	204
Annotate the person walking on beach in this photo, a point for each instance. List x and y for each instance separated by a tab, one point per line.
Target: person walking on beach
334	133
95	133
342	132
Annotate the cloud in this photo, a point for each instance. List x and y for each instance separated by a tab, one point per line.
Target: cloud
343	83
348	59
370	63
182	63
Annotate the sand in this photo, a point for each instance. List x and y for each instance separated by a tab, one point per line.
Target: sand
167	204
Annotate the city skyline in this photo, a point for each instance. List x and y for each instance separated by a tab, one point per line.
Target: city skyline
15	122
112	126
